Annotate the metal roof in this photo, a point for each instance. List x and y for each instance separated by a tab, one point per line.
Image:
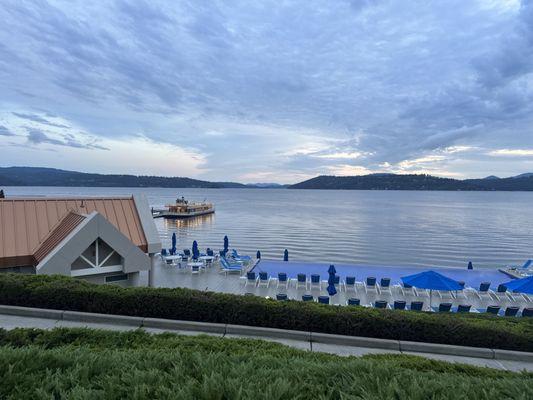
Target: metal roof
26	223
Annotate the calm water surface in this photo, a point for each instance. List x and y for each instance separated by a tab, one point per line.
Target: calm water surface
363	227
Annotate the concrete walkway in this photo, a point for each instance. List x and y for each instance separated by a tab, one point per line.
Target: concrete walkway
333	344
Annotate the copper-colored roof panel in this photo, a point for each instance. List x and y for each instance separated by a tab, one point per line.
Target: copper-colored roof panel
130	220
26	223
110	212
21	229
32	230
42	219
121	217
51	213
56	236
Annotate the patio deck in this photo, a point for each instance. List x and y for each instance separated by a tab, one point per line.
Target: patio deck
211	279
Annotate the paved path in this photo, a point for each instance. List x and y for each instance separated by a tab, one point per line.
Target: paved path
14	321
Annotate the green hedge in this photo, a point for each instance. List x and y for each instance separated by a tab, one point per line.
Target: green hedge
89	364
59	292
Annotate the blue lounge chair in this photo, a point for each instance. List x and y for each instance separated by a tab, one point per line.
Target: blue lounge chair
527	264
493	310
349	283
282	296
370	284
228	267
251	279
163	252
443	307
406	289
500	293
264	279
237	257
511	311
210	253
315	282
482	292
380	304
283	279
308	297
301	281
417	306
527	312
399	305
463	308
354	302
195	269
323	299
384	285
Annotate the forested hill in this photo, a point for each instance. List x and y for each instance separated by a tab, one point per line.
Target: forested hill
522	182
31	176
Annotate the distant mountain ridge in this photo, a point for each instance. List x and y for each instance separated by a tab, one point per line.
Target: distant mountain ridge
36	176
522	182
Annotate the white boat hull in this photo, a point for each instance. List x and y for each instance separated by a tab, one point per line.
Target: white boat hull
176	215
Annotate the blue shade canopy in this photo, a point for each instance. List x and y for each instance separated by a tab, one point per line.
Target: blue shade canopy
332	291
195	251
431	280
524	285
286	255
173	249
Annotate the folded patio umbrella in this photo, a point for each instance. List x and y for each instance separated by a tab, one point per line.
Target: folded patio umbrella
286	255
226	244
195	251
332	291
173	249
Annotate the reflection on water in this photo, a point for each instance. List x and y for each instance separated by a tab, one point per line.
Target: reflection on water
355	227
194	222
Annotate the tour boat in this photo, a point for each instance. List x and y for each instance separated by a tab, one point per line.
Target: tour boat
184	209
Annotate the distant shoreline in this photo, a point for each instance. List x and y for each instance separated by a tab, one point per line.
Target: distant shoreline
49	177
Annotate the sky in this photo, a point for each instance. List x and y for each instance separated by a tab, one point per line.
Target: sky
268	91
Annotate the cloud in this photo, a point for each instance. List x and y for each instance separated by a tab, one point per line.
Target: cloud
512	152
38	137
38	119
272	89
5	132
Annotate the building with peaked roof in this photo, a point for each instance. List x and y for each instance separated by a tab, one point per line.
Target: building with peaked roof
102	240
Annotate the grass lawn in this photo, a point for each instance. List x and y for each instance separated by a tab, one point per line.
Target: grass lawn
89	364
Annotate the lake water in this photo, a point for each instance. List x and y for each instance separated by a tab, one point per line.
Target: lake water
406	228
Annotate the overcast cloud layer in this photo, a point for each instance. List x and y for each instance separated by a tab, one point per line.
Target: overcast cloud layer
268	90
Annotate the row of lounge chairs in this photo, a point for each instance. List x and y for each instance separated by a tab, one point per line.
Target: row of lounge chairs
371	285
511	311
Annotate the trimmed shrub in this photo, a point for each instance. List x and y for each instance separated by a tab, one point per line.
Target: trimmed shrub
89	364
63	293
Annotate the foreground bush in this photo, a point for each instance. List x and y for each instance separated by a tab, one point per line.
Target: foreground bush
87	364
65	293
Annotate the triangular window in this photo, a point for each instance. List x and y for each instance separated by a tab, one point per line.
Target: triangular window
99	254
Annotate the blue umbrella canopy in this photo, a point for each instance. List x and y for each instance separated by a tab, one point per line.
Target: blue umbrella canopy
195	251
173	249
431	280
226	244
332	291
524	285
286	255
